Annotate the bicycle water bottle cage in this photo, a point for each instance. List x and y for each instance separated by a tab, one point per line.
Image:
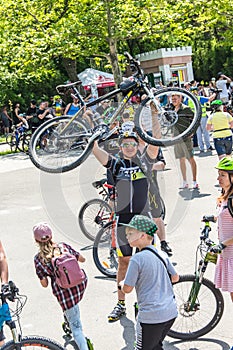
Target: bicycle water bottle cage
127	85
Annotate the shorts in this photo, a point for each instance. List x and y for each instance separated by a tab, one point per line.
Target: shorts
5	121
184	149
155	204
151	336
223	145
123	247
2	336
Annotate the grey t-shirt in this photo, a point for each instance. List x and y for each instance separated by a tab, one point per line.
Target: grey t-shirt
155	295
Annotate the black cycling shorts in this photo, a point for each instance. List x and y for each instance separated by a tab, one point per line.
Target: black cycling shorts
155	204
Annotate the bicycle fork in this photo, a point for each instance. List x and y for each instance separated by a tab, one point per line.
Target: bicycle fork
192	303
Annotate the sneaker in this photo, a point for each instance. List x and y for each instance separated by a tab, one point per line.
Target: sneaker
165	247
118	311
184	185
210	148
195	185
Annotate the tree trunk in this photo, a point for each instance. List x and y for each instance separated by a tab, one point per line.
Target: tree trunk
71	68
114	62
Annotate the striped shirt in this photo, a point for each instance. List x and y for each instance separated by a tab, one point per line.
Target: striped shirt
224	268
69	297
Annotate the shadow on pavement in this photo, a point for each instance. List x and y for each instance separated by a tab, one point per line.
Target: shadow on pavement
197	344
128	333
88	247
190	194
105	278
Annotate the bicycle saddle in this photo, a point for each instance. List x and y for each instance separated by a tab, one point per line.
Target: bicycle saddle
99	183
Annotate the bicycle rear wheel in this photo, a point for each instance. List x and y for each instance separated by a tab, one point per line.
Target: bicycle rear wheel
57	146
33	343
207	312
93	215
104	250
174	129
26	142
12	142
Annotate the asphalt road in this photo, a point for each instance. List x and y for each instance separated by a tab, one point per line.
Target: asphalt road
29	196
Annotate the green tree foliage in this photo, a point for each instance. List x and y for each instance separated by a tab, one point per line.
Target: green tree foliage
44	43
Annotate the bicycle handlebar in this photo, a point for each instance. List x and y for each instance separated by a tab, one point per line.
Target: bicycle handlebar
206	230
8	291
134	64
67	86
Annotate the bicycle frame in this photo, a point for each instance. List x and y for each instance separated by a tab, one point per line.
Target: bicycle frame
92	103
201	267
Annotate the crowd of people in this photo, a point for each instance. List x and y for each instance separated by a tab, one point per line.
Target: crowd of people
138	222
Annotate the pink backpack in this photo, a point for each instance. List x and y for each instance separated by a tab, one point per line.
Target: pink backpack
67	271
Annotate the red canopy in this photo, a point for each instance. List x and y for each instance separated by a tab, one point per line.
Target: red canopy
92	76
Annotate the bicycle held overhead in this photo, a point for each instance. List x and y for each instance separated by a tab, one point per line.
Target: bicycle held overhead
69	140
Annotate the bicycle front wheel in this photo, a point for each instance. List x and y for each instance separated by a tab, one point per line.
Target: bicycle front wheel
93	215
174	126
163	208
204	316
104	250
58	145
33	343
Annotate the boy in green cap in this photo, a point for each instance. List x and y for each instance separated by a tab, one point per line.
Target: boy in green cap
151	273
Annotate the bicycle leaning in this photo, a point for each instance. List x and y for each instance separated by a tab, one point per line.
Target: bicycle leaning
7	316
70	139
96	212
19	138
200	304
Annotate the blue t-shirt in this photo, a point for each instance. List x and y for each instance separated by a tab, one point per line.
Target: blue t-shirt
73	109
156	300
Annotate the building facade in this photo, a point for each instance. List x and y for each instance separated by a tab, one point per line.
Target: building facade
168	65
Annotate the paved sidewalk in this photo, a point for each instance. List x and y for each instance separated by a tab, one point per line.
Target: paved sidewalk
29	195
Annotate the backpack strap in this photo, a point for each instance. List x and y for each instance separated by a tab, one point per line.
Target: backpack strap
160	258
229	205
149	177
222	129
118	163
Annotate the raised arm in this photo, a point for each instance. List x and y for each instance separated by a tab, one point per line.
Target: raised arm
101	155
152	151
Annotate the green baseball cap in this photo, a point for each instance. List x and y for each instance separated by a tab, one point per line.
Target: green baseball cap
142	223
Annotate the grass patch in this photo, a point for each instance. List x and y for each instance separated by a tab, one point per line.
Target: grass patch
2	139
3	153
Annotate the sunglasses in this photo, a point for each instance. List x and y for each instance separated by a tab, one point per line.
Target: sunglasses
129	144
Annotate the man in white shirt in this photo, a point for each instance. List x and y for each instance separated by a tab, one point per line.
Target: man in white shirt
221	83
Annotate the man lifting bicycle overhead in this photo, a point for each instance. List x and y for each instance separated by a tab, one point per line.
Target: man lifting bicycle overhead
129	174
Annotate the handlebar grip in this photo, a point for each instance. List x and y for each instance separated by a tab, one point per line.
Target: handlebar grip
207	218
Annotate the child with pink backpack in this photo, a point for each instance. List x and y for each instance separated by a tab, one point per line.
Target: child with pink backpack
59	262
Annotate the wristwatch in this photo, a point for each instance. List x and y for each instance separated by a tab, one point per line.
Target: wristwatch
119	287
